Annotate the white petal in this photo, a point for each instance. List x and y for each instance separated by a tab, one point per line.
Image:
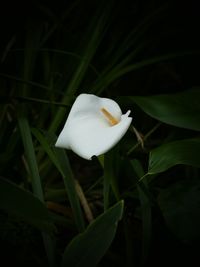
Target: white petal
86	130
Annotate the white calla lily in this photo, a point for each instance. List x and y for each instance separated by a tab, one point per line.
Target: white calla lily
94	125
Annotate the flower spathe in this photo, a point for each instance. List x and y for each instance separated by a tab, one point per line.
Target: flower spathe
94	125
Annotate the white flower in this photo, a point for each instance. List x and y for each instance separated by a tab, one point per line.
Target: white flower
94	125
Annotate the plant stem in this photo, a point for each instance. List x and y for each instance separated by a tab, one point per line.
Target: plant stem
144	138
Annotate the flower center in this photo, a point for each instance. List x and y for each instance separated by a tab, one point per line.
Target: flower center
112	120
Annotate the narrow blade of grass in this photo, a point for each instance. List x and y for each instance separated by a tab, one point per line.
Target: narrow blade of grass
115	74
30	155
30	54
142	187
35	179
60	160
69	182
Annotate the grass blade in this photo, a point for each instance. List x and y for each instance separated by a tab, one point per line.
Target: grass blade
60	160
30	155
145	202
95	32
69	182
36	181
117	73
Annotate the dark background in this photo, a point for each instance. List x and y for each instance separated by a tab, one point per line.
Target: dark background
174	30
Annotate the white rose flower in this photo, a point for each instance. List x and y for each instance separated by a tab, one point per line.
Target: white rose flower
94	125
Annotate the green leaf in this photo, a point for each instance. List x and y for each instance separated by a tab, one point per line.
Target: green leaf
180	205
25	205
179	152
88	248
180	109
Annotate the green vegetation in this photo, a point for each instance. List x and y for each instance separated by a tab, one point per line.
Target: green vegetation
135	205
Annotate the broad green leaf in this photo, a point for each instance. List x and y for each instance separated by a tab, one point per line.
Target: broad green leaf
88	248
180	205
25	205
178	152
180	109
